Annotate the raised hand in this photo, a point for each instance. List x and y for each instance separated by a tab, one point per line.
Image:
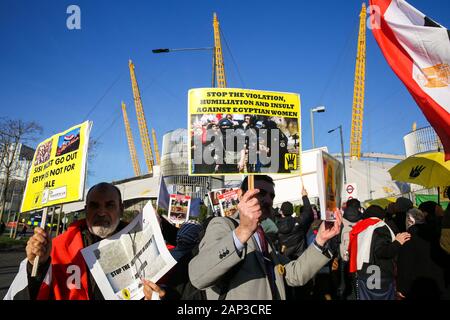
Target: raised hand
325	233
304	192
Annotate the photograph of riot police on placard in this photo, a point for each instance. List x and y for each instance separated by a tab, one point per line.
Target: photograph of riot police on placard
236	131
228	202
179	207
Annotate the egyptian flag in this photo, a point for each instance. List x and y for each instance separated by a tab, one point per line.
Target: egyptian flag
418	50
360	242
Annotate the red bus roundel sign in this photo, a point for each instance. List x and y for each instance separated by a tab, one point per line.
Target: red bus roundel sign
350	189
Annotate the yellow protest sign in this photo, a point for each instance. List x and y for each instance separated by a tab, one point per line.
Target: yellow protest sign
57	174
243	131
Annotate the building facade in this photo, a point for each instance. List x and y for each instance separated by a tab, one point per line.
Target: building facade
422	140
22	157
175	165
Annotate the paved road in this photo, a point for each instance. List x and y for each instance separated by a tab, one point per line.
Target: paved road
9	265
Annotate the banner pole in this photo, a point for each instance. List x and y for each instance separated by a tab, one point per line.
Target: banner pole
53	211
36	259
251	182
59	220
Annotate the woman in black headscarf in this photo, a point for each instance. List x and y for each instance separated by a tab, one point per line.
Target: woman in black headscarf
422	264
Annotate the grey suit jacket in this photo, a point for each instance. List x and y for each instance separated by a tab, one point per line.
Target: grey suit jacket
217	255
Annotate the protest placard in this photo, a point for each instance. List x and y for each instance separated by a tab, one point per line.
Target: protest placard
137	251
228	202
58	171
179	207
213	197
243	131
329	180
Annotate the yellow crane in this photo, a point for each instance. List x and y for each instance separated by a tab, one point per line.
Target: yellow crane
358	91
131	146
155	144
219	76
218	56
143	130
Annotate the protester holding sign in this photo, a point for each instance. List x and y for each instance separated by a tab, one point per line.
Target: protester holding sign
292	231
62	273
138	252
243	256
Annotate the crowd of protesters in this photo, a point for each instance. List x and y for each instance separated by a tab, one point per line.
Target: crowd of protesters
400	252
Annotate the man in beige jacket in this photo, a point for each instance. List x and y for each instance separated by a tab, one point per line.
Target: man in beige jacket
238	263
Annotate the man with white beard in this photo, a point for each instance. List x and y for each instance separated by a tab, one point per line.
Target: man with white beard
62	272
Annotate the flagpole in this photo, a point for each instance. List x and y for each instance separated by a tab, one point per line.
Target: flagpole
159	191
439	195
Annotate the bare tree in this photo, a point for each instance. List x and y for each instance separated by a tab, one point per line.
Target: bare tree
12	134
93	146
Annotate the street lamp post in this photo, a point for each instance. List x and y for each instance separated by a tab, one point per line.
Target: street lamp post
167	50
317	109
342	150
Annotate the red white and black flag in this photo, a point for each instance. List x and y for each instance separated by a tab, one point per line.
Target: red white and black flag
418	50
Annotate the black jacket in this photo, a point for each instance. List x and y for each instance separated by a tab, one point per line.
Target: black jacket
423	267
400	222
383	254
292	231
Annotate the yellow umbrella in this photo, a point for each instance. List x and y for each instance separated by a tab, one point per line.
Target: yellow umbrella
425	169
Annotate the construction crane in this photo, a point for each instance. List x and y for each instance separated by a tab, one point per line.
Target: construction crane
155	144
358	90
143	130
218	56
131	146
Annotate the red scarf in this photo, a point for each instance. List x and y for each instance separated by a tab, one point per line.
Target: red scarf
66	259
353	244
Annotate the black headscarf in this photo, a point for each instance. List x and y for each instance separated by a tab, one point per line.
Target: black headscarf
374	211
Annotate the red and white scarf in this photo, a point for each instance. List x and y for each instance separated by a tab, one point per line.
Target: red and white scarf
361	241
